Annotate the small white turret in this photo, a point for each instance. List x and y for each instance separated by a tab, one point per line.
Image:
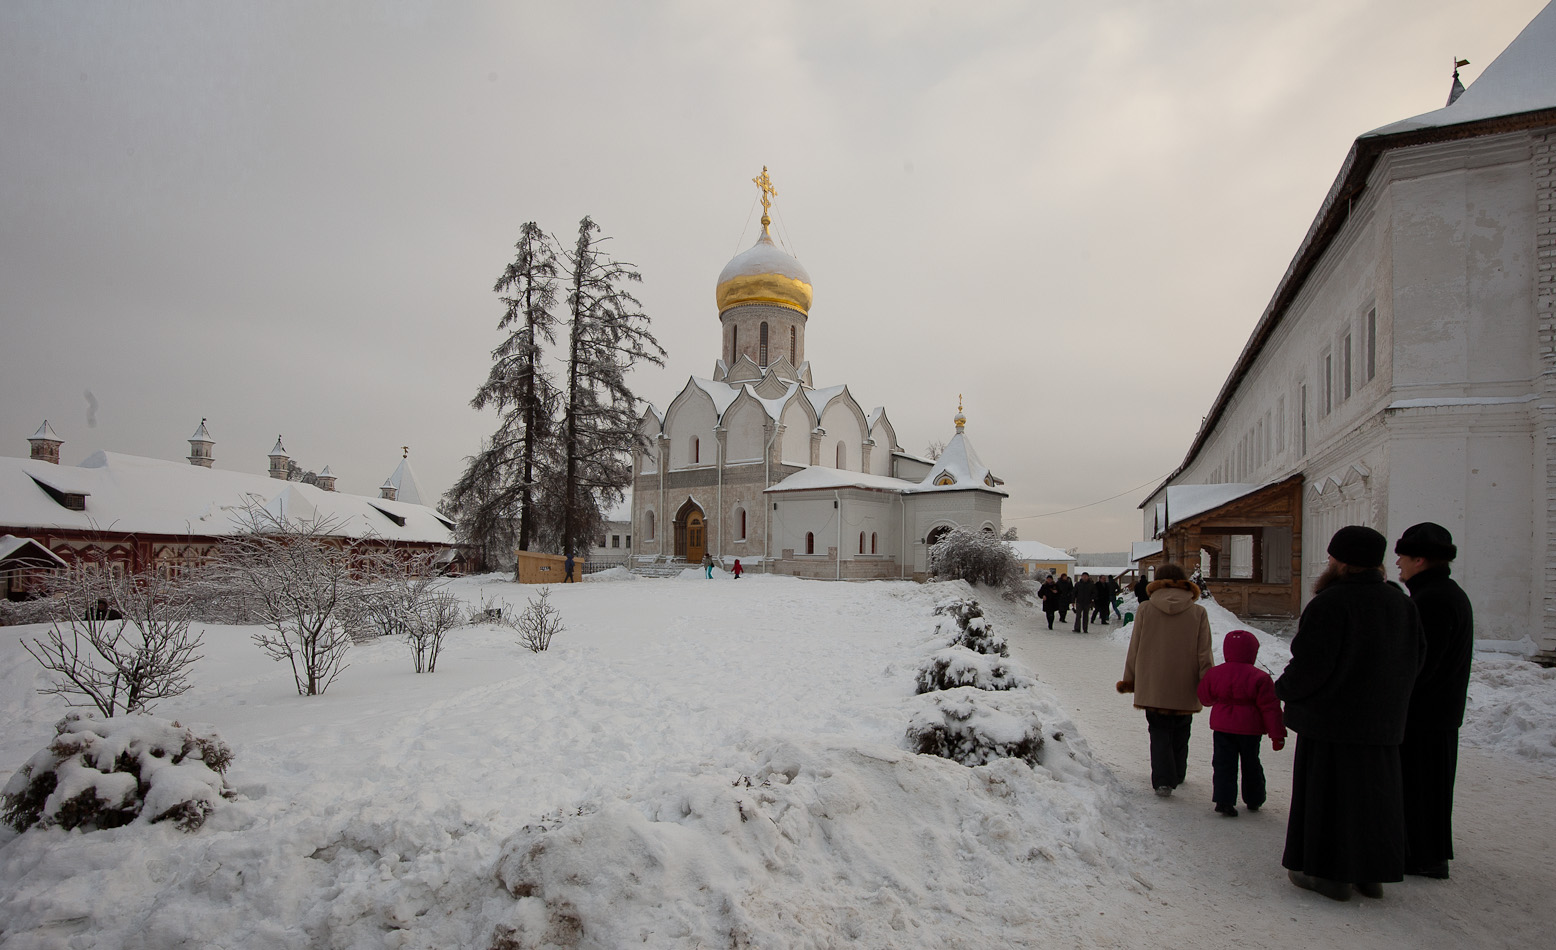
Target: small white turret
45	444
279	461
200	447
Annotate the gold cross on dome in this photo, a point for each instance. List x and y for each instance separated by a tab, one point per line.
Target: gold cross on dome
768	191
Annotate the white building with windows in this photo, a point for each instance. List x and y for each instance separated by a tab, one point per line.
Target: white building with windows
1405	367
759	464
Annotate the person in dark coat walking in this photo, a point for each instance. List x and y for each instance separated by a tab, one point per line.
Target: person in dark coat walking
1052	599
1102	598
1354	659
1243	709
1085	590
1140	589
1429	756
1066	596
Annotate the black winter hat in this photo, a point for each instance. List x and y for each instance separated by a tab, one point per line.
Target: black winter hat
1427	540
1358	546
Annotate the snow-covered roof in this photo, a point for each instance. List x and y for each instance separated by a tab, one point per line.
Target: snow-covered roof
960	466
1038	551
819	476
279	450
127	494
26	549
46	431
622	510
1144	549
202	434
1187	501
1521	79
820	397
764	257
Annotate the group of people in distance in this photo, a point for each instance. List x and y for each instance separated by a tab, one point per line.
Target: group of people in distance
1090	598
1375	692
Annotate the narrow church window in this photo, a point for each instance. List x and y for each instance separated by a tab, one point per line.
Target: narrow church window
872	543
1345	367
1326	386
810	542
842	456
793	351
740	523
762	346
734	345
648	526
861	542
1372	343
1280	424
696	450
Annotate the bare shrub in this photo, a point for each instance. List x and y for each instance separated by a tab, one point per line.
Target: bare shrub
119	643
977	558
539	622
302	585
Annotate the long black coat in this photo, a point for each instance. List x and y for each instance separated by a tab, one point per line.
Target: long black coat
1354	660
1438	699
1066	592
1084	592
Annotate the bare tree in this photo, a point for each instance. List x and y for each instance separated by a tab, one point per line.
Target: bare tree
124	642
538	624
302	585
407	598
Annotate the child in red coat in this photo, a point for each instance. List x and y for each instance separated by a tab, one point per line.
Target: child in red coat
1243	708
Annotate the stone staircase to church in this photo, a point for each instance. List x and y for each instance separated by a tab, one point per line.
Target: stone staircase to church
658	568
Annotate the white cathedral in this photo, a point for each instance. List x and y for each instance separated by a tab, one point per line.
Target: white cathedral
758	464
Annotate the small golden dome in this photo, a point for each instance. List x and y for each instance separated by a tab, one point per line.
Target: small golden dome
764	273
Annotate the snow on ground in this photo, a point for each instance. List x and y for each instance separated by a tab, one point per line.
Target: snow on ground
721	763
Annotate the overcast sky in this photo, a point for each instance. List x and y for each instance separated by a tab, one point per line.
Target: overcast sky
287	217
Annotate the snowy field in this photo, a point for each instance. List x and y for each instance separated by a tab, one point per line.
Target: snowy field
722	763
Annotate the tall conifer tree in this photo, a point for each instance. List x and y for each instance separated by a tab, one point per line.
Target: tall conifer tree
498	498
608	333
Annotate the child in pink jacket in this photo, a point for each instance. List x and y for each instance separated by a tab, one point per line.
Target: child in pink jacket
1243	709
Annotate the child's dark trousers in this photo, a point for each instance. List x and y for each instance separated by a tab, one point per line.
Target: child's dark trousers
1230	749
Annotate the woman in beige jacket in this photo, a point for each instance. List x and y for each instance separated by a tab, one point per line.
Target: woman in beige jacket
1169	653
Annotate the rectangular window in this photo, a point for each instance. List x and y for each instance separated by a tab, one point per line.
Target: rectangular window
1345	368
1326	385
629	542
1302	417
1280	424
615	540
1372	343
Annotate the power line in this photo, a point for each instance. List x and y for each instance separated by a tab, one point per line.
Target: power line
1121	494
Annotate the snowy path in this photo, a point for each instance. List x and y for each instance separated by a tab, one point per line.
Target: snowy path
1230	868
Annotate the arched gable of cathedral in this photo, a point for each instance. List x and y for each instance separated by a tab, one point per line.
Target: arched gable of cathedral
744	422
783	369
799	420
650	426
884	435
771	387
689	424
846	430
744	371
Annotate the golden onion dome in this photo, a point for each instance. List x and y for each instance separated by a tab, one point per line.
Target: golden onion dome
764	273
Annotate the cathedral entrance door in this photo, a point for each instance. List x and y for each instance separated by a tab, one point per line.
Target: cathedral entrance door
696	538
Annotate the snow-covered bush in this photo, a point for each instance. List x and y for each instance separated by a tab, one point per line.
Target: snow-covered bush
977	558
404	597
956	666
103	773
538	623
968	627
971	726
117	643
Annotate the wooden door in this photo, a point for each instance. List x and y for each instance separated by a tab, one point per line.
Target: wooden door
696	538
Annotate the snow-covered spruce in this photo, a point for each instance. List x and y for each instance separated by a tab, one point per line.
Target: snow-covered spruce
968	627
958	666
975	727
103	773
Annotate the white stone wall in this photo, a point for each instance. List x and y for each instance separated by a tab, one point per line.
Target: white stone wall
1440	252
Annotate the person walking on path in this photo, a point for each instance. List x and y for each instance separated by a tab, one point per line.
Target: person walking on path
1052	599
568	570
707	565
1243	709
1085	590
1066	597
1354	660
1429	755
1140	589
737	569
1169	653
